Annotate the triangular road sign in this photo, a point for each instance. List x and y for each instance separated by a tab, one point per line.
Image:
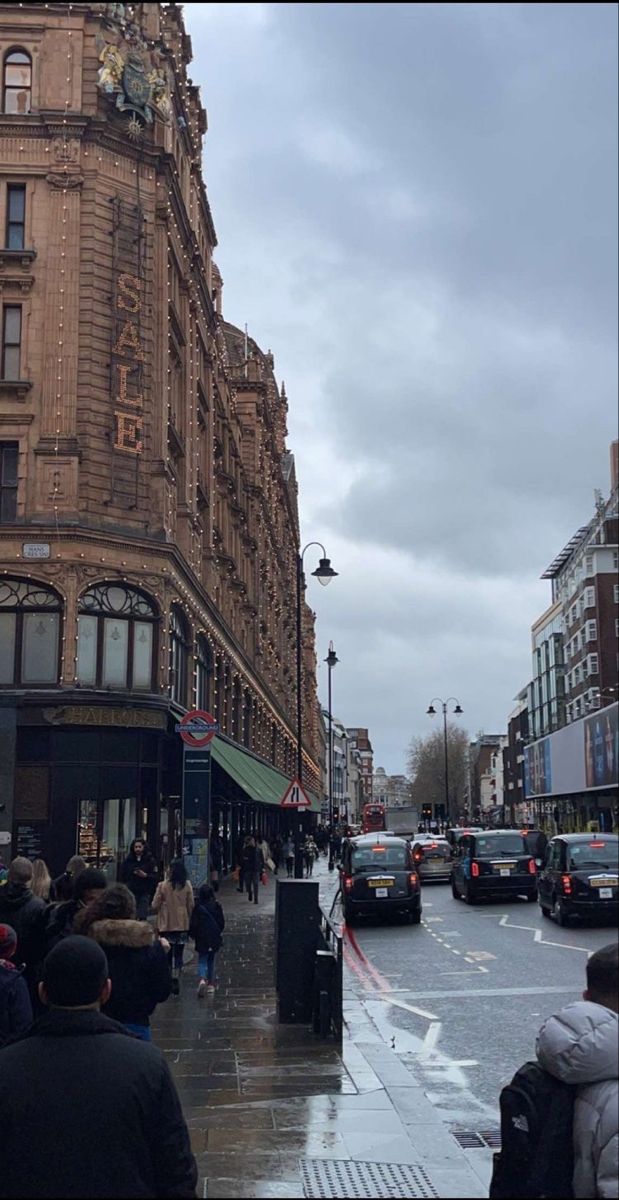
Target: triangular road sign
295	797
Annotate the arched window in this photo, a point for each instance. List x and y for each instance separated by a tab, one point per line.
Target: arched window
116	635
29	633
179	646
17	89
204	672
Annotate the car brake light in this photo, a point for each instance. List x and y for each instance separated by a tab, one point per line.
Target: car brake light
532	867
348	882
597	845
418	856
413	880
475	869
566	883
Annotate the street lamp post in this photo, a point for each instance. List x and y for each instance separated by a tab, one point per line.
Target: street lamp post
432	713
331	660
324	573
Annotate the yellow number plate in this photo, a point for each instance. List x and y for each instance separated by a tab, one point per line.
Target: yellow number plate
376	883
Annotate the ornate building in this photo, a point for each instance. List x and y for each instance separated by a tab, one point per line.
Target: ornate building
149	529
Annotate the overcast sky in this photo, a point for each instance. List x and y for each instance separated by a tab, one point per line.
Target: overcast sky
416	212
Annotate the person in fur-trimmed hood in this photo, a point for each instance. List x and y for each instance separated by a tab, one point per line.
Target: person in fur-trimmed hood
137	959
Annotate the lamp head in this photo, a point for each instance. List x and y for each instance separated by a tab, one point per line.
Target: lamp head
431	711
332	657
457	710
324	572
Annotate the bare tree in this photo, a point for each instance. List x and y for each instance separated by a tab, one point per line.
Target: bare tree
426	766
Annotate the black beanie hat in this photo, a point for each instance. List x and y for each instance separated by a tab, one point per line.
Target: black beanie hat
74	972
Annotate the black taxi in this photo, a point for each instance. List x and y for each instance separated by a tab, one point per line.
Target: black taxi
493	863
580	877
378	875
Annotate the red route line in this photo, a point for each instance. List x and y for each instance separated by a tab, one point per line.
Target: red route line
371	970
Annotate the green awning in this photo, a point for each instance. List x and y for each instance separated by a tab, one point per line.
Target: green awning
258	780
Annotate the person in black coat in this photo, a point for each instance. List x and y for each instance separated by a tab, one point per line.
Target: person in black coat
119	1129
206	927
62	885
139	872
26	914
138	960
61	918
15	1006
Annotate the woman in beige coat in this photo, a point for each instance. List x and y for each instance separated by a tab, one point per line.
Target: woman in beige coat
173	904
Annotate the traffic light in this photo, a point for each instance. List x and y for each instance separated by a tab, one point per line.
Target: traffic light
336	812
426	810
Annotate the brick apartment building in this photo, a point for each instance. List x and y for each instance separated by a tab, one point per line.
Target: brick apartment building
359	740
149	529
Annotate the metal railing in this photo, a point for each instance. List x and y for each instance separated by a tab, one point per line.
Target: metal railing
327	1017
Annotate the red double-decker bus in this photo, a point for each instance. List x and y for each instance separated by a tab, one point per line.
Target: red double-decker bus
373	818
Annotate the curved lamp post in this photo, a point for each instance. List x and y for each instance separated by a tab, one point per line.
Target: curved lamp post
432	713
324	573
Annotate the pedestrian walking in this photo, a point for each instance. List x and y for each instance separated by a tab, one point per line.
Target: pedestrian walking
41	880
288	856
206	927
139	872
62	886
216	856
310	853
15	1005
173	904
105	1081
265	850
60	918
580	1046
276	853
253	866
26	914
242	842
137	960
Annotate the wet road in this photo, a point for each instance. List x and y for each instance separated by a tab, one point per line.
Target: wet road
462	995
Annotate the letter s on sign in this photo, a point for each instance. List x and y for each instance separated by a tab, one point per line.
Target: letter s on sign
128	293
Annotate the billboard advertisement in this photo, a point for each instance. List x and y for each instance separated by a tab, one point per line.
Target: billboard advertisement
581	756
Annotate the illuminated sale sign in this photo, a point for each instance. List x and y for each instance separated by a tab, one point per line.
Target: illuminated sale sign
127	360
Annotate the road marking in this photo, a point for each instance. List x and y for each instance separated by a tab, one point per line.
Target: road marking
419	1012
449	993
454	951
436	919
430	1041
538	936
379	980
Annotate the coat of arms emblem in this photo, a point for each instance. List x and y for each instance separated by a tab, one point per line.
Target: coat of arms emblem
140	88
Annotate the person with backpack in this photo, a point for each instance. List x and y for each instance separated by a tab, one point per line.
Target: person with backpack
559	1115
206	927
580	1047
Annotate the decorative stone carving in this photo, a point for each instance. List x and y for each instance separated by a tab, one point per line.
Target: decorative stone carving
66	150
58	180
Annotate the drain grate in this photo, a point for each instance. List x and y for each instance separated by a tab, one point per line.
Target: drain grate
331	1179
470	1139
492	1138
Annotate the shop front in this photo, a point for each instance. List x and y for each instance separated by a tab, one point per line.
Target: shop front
571	776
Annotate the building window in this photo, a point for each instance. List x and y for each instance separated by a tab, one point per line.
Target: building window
179	647
116	635
11	340
616	593
204	672
589	597
17	82
8	481
15	216
588	565
592	662
29	633
591	631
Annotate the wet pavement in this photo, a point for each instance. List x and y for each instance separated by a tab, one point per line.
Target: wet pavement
273	1111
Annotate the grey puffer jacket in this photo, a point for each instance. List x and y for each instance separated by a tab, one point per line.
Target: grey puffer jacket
580	1045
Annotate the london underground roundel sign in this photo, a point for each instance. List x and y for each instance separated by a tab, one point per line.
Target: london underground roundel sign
197	728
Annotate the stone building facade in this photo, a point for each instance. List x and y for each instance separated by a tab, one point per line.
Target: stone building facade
149	530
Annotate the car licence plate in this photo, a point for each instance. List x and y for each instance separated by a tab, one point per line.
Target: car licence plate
606	893
382	892
603	881
381	884
504	871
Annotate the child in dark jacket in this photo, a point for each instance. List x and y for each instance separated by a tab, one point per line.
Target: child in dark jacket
207	923
15	1006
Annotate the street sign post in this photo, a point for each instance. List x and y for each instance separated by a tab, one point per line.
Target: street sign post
295	796
197	729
